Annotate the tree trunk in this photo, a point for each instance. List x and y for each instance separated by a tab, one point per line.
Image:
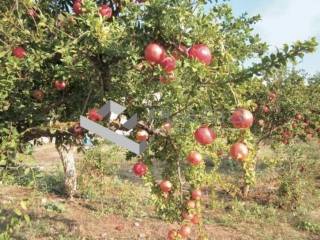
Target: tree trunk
68	161
245	191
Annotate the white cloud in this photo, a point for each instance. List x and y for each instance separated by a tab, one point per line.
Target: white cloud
289	20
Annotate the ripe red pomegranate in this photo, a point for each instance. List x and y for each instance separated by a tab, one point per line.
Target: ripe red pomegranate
168	64
38	95
154	53
195	219
165	186
77	7
167	126
19	52
140	169
285	141
172	235
194	158
204	135
187	216
191	204
105	11
308	130
201	52
142	135
185	231
196	194
93	115
239	151
310	136
77	129
168	78
272	96
299	117
32	13
242	118
266	109
286	134
60	85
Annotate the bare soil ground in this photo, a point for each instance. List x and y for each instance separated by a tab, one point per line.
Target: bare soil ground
77	220
80	221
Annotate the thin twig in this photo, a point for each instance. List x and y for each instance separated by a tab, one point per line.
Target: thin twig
86	102
234	95
178	168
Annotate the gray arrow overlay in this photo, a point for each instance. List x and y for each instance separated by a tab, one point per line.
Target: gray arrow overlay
113	107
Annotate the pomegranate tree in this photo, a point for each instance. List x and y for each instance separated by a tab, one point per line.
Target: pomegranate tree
168	66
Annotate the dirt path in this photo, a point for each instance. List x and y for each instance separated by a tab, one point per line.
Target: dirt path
78	220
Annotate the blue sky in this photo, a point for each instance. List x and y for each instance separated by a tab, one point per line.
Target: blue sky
285	21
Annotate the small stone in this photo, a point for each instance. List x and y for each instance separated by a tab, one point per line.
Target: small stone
136	224
119	227
142	236
43	201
